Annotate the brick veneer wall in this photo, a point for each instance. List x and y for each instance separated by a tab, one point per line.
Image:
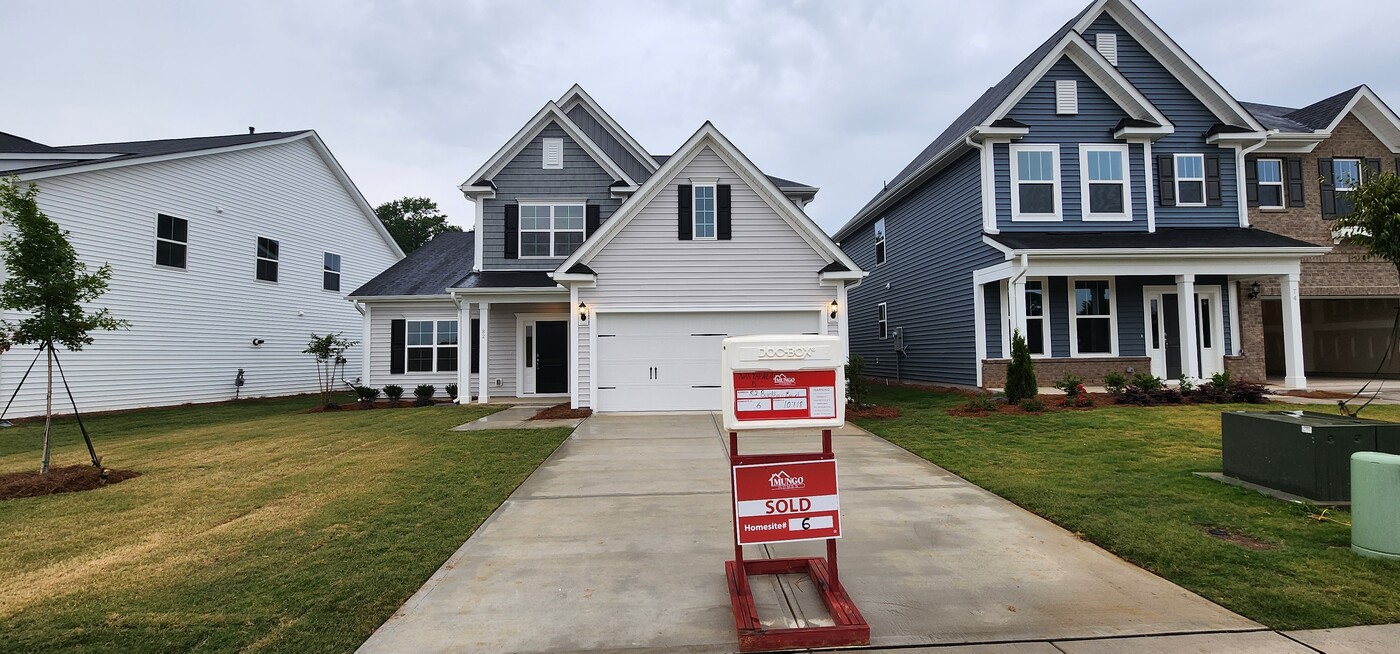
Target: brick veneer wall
1047	371
1249	365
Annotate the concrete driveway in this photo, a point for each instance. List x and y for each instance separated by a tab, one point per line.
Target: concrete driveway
618	542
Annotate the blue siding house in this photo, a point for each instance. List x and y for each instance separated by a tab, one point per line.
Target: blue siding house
1090	200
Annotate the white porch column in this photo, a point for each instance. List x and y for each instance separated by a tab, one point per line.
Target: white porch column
464	353
1186	300
1017	301
1294	376
483	394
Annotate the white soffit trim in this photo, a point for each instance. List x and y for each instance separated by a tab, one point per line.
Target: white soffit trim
354	191
1157	43
708	136
576	95
550	112
1167	253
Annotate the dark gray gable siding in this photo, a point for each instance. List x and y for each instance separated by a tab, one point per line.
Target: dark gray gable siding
934	238
581	178
599	134
1097	117
1191	118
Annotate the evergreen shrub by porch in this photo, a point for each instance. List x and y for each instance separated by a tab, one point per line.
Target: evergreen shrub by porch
394	392
1075	395
1020	375
451	391
857	389
1221	389
367	394
1115	382
1146	389
424	394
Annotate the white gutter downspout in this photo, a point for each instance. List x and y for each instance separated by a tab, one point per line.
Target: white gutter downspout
1016	296
1242	194
989	219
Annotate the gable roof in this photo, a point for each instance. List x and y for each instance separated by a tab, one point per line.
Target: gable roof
9	143
708	136
782	184
430	270
551	112
1322	117
576	95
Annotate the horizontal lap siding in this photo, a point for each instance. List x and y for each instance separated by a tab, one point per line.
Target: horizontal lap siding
191	330
502	348
381	317
1191	119
765	264
580	179
1098	115
934	241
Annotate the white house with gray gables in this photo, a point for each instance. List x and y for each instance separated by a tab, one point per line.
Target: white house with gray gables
1092	199
604	275
227	252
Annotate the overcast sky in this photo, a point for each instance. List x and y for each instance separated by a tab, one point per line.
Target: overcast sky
414	96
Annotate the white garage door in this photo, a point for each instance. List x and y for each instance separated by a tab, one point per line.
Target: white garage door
670	361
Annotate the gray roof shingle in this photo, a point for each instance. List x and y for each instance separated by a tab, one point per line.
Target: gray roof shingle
430	270
1228	237
12	143
137	149
1319	115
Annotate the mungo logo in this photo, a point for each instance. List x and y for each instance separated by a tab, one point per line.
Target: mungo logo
783	481
783	380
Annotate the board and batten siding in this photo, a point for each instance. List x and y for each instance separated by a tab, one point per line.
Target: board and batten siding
382	315
523	178
192	329
1191	119
603	138
933	240
1098	115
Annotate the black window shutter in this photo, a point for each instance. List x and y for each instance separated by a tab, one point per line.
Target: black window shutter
1213	198
398	340
1397	165
1166	181
685	228
1251	182
512	231
476	345
1328	187
723	226
1295	182
1373	168
593	215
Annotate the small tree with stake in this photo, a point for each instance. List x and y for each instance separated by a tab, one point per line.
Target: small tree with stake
48	283
329	351
1374	223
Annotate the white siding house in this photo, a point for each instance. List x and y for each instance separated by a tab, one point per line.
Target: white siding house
194	326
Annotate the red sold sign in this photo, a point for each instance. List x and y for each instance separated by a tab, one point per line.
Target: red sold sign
791	395
784	502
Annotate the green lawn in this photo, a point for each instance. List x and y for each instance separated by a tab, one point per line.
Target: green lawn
254	526
1121	477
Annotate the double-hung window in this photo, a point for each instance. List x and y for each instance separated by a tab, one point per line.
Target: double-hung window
882	317
1190	180
1092	319
703	210
879	241
550	230
1346	176
172	241
1037	321
330	272
1104	182
1035	181
267	259
432	345
1271	192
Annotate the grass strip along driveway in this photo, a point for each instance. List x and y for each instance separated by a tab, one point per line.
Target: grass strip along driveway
254	526
1122	478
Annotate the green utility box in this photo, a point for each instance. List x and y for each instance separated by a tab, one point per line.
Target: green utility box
1298	452
1375	509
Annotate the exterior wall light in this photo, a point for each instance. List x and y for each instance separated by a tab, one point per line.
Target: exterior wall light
1254	291
834	308
582	312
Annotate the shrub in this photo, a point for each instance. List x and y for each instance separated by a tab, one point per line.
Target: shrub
1070	383
1221	389
1020	375
367	394
857	388
1115	382
424	394
1148	390
393	392
981	403
1032	405
1147	382
451	391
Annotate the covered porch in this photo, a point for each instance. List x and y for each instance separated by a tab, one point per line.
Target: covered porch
522	346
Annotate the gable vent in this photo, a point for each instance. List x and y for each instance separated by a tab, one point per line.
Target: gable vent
1066	97
1107	45
553	154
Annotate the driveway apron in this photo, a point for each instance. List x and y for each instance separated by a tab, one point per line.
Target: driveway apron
618	542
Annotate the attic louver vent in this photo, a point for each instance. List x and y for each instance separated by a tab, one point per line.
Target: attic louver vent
1066	97
553	154
1107	45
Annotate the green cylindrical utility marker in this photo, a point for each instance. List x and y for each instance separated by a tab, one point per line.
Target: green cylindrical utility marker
1375	505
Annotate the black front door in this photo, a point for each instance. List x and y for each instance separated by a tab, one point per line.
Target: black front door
1171	328
552	356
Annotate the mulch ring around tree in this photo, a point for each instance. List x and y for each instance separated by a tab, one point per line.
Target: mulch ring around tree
871	412
1050	402
562	412
68	479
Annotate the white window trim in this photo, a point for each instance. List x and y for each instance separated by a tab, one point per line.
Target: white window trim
185	243
1112	319
1282	184
1337	181
558	144
882	320
257	254
882	247
1124	216
694	211
1176	175
1016	215
338	277
1044	318
521	231
434	347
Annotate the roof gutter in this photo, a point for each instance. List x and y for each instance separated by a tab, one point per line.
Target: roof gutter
1167	253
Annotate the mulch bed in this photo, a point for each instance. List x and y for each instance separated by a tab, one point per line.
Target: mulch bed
68	479
361	406
562	412
872	412
1317	395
